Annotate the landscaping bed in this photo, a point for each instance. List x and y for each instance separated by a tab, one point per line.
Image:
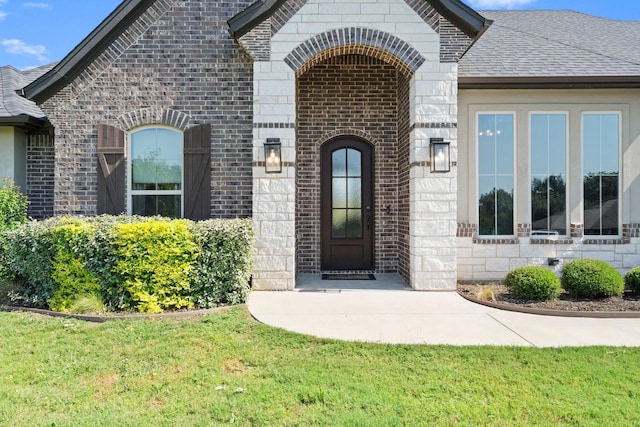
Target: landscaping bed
628	302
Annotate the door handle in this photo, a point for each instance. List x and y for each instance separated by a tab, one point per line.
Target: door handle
368	210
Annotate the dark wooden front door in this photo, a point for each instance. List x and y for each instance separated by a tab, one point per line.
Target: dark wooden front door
347	205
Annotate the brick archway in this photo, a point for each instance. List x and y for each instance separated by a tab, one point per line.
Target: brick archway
355	40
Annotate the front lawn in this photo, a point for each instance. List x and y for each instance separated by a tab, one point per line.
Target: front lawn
226	368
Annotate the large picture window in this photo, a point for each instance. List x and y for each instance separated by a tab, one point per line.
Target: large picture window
155	173
548	141
496	136
601	164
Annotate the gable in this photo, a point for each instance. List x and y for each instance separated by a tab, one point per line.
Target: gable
456	24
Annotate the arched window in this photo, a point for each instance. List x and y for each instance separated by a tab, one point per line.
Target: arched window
155	178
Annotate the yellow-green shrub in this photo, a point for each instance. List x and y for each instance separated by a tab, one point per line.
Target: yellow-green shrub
154	260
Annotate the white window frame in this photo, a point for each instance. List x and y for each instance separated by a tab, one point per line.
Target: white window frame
514	114
567	115
620	115
131	192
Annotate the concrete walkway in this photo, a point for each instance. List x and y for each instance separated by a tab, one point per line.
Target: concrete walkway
407	317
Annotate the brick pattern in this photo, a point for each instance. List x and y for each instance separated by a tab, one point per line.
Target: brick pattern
40	175
630	231
257	42
426	12
467	230
404	169
349	95
150	116
178	58
284	13
524	230
359	41
453	42
495	241
576	230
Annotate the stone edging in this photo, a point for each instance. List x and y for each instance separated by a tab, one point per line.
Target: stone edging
101	319
559	313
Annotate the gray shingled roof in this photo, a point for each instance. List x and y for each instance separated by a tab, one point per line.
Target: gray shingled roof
549	43
13	105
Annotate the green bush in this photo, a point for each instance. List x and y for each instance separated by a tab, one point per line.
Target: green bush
223	268
154	260
13	212
632	279
131	263
591	278
533	282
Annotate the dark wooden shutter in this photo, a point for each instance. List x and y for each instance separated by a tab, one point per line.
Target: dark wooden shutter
197	172
111	170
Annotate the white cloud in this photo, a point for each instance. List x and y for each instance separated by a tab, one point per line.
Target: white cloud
3	15
499	4
38	5
19	47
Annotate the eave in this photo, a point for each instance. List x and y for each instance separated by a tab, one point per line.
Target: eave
24	122
552	82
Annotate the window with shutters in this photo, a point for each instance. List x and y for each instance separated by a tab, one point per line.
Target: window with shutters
155	166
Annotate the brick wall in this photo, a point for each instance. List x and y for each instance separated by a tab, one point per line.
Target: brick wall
404	129
178	56
350	95
40	173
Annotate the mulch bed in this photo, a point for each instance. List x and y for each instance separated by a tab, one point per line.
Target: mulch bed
629	302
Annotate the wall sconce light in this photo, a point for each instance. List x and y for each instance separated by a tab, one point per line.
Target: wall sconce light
440	155
273	156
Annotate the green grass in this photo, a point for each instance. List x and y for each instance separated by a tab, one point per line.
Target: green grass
226	368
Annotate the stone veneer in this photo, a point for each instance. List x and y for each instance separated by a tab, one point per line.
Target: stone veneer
421	242
491	259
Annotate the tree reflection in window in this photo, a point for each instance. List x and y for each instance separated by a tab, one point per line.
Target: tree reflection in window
601	148
495	174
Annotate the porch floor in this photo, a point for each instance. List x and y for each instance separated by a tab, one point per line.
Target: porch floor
383	282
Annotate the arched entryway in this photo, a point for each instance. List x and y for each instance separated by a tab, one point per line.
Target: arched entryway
353	102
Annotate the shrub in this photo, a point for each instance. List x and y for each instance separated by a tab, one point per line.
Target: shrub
223	268
632	279
533	282
146	264
154	260
13	212
591	278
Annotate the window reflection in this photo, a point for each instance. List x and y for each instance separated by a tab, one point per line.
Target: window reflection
548	174
495	174
601	151
156	172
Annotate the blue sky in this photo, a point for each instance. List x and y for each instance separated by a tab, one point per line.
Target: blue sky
34	33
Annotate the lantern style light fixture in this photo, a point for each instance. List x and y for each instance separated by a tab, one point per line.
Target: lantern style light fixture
273	156
440	155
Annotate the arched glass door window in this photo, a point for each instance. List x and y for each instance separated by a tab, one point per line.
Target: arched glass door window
346	209
156	172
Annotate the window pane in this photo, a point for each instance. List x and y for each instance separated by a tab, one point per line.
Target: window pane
496	169
355	193
339	163
354	162
487	206
156	165
548	173
354	224
338	223
339	193
601	148
150	205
